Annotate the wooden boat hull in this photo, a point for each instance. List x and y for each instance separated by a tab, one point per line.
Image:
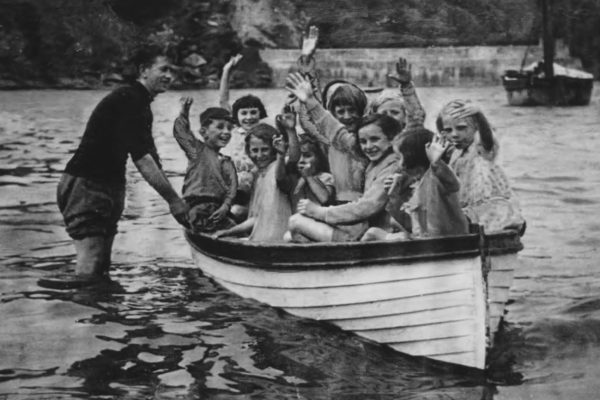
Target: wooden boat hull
426	298
527	90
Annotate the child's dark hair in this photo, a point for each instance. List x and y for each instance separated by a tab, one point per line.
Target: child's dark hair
389	126
248	101
412	147
322	164
343	93
262	131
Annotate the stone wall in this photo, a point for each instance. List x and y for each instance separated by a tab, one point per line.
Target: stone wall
431	66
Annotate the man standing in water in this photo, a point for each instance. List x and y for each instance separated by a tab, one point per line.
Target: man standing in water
91	192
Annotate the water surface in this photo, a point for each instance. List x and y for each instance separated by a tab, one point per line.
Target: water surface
166	331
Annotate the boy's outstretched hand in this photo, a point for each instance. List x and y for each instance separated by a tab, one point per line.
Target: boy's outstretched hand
299	86
436	148
403	72
186	103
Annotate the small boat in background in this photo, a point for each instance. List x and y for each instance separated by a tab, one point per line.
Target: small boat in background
441	298
546	83
564	87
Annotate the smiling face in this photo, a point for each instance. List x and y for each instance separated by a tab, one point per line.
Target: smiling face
347	115
217	134
248	117
157	78
460	132
260	152
394	109
373	142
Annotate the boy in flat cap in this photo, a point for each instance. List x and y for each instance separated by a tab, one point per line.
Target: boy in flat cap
210	183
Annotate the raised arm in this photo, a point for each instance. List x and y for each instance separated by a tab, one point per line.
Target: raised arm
323	192
415	113
307	67
307	63
284	182
182	132
224	84
309	127
435	150
286	123
336	133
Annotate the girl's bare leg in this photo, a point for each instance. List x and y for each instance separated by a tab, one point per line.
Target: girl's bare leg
315	230
374	234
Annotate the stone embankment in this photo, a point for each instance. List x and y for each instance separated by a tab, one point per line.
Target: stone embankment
431	66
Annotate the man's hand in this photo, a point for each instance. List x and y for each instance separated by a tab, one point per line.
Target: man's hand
299	86
403	72
179	209
219	214
436	148
309	43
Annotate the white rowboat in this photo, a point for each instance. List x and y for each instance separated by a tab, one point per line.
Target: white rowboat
441	298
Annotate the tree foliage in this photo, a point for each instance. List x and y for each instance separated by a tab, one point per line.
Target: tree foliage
44	40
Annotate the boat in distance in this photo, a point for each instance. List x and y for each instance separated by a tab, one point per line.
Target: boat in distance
532	87
441	298
546	83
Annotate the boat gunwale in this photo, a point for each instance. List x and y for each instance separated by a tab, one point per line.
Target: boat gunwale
277	256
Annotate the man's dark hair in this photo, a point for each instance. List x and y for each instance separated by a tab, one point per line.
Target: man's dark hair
145	55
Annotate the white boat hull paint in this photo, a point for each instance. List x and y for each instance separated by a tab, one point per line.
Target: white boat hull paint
435	308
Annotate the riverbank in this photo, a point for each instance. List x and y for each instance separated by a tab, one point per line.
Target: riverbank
431	66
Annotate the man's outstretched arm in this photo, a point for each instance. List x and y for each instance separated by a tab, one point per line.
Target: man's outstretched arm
158	180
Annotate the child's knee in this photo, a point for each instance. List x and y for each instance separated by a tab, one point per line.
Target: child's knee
239	212
369	235
294	222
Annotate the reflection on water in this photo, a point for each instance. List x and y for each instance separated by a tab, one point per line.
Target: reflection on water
162	330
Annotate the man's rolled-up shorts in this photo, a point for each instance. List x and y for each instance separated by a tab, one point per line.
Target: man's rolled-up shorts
90	208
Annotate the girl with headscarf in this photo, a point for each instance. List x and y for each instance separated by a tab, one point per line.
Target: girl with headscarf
485	193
